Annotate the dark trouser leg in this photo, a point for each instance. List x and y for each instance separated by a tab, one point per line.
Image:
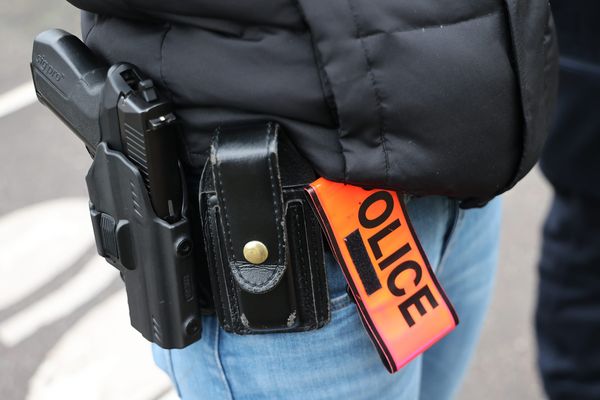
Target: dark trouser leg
568	311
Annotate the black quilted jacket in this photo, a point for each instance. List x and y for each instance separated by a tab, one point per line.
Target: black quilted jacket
423	96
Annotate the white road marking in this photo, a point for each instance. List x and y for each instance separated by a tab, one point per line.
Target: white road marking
95	276
38	242
100	358
17	98
171	395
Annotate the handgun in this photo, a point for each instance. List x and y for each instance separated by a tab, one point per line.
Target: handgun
115	105
136	183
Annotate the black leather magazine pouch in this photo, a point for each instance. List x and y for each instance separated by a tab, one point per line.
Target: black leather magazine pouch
263	242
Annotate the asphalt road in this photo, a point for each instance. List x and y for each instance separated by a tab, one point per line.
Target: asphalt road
62	311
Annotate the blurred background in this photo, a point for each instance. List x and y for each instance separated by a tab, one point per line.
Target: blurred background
64	327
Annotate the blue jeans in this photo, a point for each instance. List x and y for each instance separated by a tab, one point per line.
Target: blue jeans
339	361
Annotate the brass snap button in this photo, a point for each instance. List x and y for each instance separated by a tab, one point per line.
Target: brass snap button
255	252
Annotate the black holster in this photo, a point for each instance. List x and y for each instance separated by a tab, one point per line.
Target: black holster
252	190
155	258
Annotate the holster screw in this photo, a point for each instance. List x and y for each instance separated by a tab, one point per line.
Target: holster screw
192	326
184	247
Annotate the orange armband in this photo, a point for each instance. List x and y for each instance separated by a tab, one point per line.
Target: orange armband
401	303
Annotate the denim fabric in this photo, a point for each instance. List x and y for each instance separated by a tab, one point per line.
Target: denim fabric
339	361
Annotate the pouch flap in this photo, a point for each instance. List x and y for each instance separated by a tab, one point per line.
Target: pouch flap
247	181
